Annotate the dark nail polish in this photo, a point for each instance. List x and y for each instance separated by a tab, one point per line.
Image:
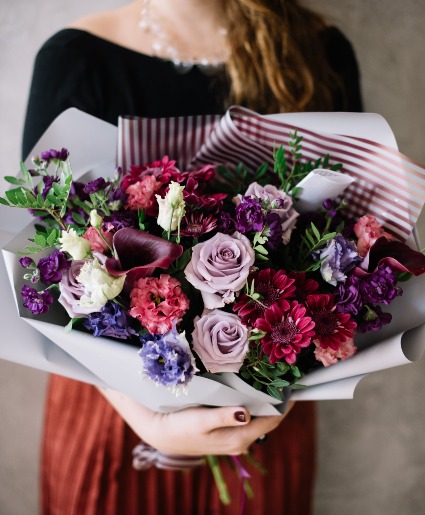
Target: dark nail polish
240	416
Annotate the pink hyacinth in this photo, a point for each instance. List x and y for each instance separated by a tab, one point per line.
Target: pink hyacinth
157	303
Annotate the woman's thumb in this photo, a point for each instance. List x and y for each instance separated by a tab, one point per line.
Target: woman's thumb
228	416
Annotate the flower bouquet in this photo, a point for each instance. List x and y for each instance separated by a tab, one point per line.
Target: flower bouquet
238	282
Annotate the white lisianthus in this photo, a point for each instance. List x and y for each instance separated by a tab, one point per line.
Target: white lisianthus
76	246
95	219
99	285
171	208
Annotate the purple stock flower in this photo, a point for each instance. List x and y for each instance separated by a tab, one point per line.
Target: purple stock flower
330	206
27	262
348	297
37	302
275	231
52	266
167	359
339	257
95	186
373	320
48	180
121	219
380	287
249	215
111	321
226	223
48	155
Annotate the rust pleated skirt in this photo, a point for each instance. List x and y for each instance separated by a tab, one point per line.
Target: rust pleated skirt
86	465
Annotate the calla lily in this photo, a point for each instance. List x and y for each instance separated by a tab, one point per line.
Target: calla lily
397	255
138	253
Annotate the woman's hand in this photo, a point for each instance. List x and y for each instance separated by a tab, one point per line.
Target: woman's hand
194	431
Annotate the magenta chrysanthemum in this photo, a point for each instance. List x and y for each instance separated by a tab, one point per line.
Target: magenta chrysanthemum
332	328
287	331
272	286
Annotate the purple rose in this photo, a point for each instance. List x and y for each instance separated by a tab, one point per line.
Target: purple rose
219	268
71	291
280	203
52	266
221	341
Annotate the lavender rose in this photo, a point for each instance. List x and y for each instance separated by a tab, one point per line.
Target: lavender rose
219	268
221	341
71	291
281	203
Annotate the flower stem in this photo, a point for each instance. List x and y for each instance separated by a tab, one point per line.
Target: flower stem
219	479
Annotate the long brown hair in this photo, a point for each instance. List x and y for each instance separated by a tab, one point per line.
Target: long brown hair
277	60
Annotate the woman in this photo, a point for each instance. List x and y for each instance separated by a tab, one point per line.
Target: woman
276	56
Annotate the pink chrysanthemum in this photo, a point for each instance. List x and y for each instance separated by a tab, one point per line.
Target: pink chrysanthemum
157	303
164	170
287	331
273	286
332	328
141	194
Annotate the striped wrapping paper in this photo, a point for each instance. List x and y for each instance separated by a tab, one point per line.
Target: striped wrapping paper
388	184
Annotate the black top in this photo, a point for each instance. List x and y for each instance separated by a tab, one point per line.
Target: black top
77	69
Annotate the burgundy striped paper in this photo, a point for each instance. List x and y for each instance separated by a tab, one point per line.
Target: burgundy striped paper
388	185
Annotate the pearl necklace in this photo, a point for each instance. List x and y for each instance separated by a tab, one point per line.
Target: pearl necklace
163	47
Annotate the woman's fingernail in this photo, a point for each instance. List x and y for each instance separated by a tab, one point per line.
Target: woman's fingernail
240	416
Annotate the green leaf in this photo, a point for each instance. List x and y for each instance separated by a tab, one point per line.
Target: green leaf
33	250
26	174
4	202
274	392
78	218
280	383
257	385
261	250
14	180
329	236
297	386
40	240
315	231
51	238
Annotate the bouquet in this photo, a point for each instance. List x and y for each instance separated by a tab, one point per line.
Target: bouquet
212	269
249	275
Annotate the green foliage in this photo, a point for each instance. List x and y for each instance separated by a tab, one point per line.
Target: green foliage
44	238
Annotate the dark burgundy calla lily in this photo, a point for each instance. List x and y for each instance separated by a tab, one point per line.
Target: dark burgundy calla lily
138	253
397	255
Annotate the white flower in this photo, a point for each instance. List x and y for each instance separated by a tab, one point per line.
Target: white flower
95	219
99	285
171	208
76	246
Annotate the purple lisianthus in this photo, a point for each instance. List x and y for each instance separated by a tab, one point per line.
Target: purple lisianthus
95	186
339	257
373	320
167	359
27	262
380	287
249	215
52	266
349	298
61	155
330	206
37	302
111	321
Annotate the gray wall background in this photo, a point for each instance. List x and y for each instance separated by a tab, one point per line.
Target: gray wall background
371	449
